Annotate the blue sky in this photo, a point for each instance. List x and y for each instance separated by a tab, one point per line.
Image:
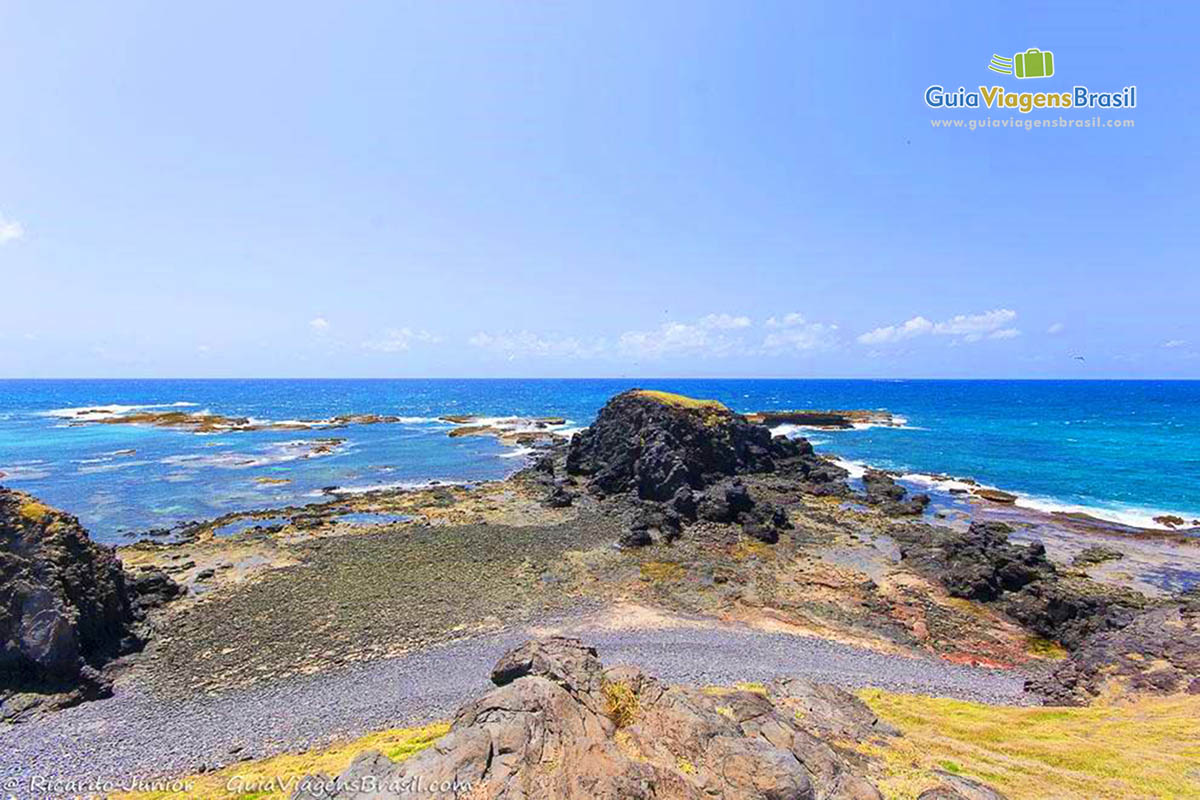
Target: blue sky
589	189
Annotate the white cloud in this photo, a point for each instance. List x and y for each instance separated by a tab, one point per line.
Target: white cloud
319	324
794	332
399	340
1173	343
971	327
975	324
917	326
724	322
706	337
1057	327
10	230
528	343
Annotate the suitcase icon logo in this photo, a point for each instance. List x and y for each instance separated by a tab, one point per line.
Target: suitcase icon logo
1033	63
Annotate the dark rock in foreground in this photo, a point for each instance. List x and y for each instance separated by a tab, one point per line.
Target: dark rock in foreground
1157	653
66	607
560	726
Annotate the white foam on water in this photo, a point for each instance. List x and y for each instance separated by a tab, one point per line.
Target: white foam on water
398	485
1131	516
93	413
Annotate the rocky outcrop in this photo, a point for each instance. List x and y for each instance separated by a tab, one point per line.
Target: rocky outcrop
66	607
882	490
685	455
982	564
837	418
654	445
1158	653
560	726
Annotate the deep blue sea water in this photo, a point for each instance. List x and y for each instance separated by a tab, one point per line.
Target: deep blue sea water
1126	450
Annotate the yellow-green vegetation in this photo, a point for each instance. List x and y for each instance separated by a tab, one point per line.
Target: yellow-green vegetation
1144	749
621	703
1046	648
682	401
661	571
276	777
685	766
747	548
34	511
745	686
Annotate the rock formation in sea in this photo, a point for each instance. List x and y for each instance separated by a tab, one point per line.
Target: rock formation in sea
679	458
561	726
66	607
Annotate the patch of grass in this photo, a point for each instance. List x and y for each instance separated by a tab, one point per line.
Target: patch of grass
662	571
682	401
1147	749
747	548
33	511
275	778
621	703
1045	648
685	766
751	686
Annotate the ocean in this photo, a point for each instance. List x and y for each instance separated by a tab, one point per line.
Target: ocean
1121	450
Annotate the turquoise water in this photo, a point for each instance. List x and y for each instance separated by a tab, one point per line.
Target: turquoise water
1123	449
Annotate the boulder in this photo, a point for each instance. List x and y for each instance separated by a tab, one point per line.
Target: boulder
65	605
559	726
558	497
959	787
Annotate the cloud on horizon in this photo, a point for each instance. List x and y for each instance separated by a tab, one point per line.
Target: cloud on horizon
10	230
514	344
400	340
969	327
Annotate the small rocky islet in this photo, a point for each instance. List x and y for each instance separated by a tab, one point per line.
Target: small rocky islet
713	519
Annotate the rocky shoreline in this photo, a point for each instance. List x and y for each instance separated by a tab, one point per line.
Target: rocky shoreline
679	507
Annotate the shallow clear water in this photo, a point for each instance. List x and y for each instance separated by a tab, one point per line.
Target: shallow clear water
1128	449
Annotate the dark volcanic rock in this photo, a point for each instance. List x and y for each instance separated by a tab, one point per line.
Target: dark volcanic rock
153	588
981	564
652	523
559	726
654	445
1096	554
65	607
883	491
1158	652
558	497
881	487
